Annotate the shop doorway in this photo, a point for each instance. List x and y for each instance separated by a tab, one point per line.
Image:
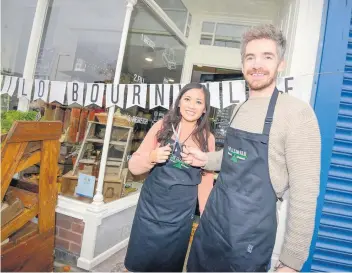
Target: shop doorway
219	118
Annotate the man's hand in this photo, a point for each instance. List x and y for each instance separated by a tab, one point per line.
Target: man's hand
194	157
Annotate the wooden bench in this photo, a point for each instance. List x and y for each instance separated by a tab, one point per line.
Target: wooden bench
27	246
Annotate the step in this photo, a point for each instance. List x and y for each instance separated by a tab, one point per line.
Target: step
21	235
30	203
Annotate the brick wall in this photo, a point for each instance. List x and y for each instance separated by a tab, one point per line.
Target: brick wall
69	232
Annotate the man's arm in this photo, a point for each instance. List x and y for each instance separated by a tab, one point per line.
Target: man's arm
302	151
214	161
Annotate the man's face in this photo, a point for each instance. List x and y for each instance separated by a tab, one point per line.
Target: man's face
261	64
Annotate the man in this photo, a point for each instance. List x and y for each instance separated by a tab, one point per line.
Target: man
272	145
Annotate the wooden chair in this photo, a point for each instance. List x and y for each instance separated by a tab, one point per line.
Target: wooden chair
30	246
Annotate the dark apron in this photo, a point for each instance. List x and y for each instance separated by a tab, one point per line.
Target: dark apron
163	220
238	227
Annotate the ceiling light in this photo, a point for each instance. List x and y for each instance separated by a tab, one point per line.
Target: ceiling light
149	59
171	80
199	65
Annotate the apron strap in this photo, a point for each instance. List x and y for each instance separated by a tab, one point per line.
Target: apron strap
270	112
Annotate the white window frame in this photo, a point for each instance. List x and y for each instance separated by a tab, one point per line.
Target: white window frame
213	34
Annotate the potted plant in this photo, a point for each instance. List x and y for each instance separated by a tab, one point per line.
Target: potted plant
9	117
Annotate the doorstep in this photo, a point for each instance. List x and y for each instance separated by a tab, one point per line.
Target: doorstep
115	263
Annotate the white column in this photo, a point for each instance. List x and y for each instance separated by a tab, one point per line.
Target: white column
34	46
304	54
98	199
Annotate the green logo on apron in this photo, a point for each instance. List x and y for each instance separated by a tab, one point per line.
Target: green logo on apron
237	154
178	163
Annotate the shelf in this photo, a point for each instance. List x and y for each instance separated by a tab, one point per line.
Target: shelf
112	178
110	163
120	126
101	141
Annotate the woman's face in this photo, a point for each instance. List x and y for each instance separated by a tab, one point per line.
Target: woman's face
192	105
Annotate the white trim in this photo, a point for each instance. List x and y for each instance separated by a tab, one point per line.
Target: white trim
92	218
120	205
71	207
166	19
80	210
237	20
34	46
89	264
186	25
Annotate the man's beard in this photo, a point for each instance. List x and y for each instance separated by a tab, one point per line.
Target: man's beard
259	85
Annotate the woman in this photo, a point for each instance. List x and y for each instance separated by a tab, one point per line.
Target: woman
164	215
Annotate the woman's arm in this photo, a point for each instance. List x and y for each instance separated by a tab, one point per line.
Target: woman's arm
140	161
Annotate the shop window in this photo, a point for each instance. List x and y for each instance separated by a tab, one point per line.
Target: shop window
223	35
81	40
16	25
153	55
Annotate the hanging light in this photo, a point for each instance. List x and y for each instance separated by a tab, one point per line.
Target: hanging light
148	59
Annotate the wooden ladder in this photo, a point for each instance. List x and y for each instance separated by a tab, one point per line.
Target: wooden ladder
111	162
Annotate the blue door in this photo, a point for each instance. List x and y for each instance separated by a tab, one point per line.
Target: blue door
331	248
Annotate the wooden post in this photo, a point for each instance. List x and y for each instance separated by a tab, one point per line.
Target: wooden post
47	185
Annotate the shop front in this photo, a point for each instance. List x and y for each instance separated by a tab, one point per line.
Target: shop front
93	60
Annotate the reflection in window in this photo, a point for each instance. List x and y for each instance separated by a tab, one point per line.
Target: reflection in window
16	25
81	40
176	10
153	55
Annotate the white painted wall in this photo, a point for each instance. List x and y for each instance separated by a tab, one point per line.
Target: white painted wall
300	21
305	45
213	56
286	20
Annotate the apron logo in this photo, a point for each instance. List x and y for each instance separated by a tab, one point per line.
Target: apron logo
236	154
178	163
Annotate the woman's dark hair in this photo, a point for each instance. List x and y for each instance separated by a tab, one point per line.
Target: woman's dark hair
201	133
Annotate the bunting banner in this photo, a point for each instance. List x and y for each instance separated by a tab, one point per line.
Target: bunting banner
25	88
222	94
75	92
41	90
115	95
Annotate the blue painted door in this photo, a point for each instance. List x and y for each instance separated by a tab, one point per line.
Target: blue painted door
331	248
